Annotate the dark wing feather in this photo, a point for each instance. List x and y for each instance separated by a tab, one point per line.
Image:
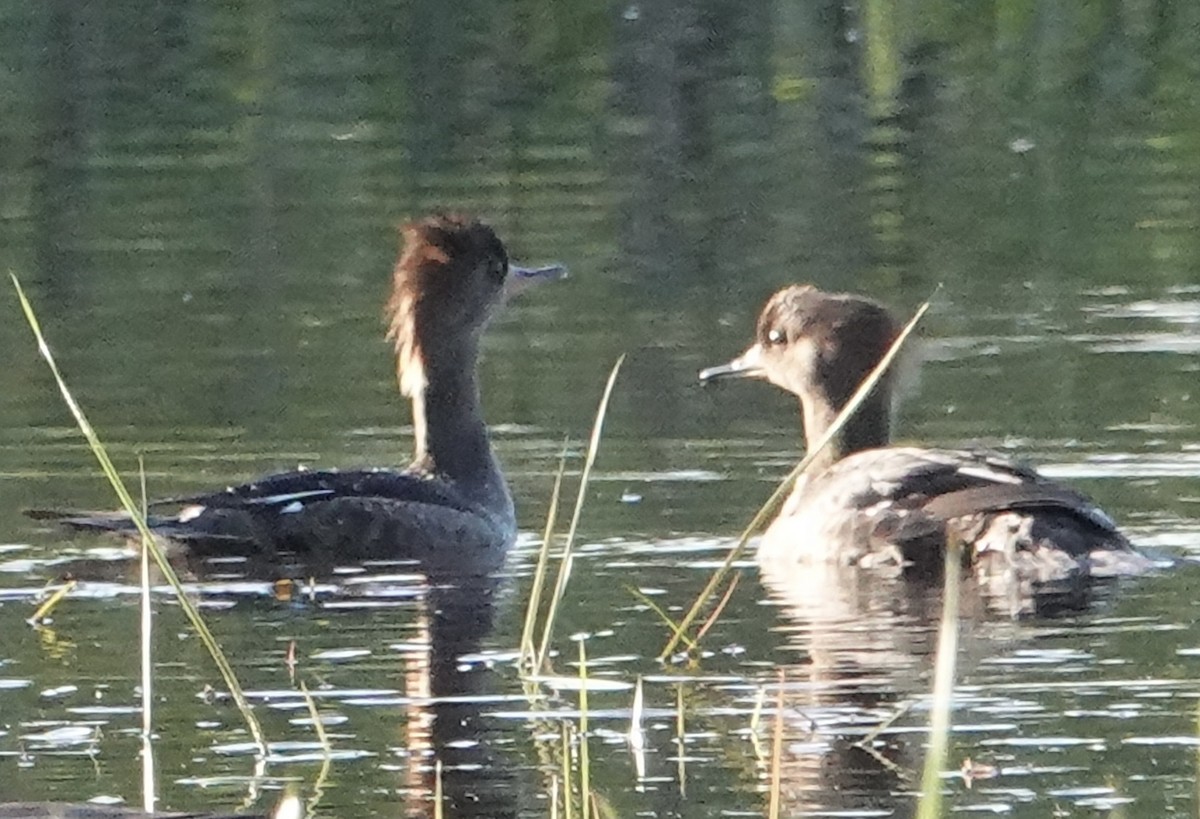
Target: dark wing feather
988	498
283	490
912	493
266	512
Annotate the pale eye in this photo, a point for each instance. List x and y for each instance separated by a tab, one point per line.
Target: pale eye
776	337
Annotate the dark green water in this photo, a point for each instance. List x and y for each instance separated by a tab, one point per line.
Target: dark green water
201	201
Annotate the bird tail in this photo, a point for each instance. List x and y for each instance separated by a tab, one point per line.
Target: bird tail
80	519
170	527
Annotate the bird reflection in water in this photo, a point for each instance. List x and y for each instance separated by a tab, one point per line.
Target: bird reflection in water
855	698
445	693
442	694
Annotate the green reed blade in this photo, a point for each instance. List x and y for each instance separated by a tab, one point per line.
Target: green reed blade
681	740
568	786
666	618
711	620
543	564
585	767
130	507
438	791
145	627
568	554
930	804
777	754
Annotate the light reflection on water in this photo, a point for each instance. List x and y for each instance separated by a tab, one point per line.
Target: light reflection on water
856	678
200	200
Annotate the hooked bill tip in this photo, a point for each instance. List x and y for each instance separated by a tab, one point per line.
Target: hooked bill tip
742	367
711	374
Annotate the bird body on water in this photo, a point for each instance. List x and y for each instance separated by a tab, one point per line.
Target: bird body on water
866	503
451	508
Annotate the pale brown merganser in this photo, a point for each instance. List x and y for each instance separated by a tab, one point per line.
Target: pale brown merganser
866	503
452	505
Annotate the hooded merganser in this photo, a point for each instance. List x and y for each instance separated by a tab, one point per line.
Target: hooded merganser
866	503
451	504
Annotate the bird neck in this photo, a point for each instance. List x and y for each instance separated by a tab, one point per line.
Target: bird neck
450	436
868	428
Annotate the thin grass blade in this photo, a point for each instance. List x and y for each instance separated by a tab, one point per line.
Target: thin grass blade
585	767
568	784
711	620
930	804
439	799
51	602
666	618
130	507
146	629
777	754
543	565
568	555
681	741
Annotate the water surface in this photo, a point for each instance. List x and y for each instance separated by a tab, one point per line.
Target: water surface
201	201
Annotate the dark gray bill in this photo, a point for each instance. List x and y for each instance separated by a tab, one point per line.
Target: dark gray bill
744	366
521	278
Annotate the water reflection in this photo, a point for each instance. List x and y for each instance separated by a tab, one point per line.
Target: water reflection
867	642
445	721
47	810
433	718
175	171
443	689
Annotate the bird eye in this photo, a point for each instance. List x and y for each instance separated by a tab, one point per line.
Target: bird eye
498	270
776	336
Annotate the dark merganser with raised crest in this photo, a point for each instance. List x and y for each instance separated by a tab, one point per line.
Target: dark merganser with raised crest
451	507
869	504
